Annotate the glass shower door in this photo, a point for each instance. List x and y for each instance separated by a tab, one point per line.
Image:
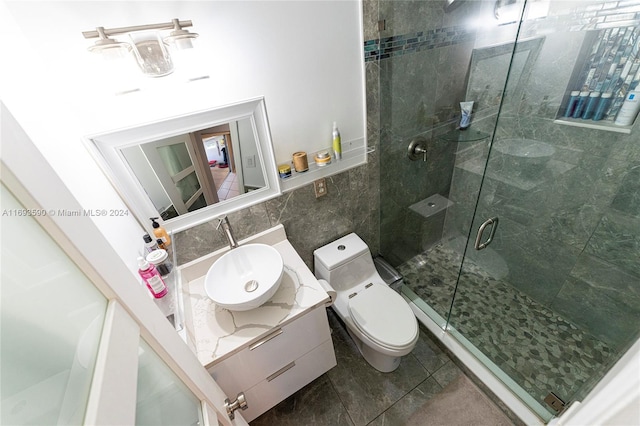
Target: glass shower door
552	301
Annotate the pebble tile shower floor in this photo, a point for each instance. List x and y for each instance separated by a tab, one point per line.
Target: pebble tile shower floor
537	348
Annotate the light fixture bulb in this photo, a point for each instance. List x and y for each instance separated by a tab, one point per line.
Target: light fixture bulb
180	38
105	44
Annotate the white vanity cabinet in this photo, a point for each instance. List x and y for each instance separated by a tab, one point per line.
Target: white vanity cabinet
275	366
269	352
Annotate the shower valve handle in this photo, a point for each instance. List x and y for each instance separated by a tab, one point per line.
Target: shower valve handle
417	149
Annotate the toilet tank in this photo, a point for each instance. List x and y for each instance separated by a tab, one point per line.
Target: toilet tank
344	263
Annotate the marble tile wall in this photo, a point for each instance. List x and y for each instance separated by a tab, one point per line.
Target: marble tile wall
575	225
587	228
571	233
420	91
351	204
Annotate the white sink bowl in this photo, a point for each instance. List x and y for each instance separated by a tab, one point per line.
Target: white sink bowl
245	277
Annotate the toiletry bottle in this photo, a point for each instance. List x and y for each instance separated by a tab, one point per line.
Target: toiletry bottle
160	232
337	144
582	102
160	259
629	110
465	114
603	106
590	107
149	243
152	278
573	101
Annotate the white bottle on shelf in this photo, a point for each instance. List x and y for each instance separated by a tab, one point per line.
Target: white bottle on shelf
629	110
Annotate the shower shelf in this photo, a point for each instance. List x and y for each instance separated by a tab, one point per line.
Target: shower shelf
590	124
470	135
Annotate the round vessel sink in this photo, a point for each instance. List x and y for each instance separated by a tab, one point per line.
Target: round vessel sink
245	277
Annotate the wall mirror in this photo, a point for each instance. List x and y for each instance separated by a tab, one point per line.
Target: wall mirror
192	168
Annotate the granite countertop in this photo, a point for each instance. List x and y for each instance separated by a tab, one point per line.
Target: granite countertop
215	333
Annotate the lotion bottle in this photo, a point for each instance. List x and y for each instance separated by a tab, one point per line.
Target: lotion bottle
152	278
629	110
337	144
160	233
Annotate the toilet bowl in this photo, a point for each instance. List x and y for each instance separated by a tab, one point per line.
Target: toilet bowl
378	319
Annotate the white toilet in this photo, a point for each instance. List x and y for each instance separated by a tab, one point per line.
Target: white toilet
377	318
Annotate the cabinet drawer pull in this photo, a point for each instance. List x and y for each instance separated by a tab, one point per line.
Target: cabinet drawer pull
266	339
282	370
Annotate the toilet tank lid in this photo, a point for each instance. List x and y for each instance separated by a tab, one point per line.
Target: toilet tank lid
340	251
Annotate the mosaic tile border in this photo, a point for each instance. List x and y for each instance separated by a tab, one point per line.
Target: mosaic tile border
594	16
397	45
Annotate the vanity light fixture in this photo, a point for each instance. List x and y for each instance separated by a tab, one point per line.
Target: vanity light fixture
149	48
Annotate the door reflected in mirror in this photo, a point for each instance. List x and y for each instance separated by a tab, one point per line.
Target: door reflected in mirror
191	168
187	172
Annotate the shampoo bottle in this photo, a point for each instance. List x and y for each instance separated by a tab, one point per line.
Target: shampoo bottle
152	278
590	107
603	106
573	101
160	233
337	144
582	102
149	244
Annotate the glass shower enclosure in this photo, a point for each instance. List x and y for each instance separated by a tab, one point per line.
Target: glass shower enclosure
521	234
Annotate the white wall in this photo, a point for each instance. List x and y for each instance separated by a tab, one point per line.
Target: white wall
252	176
304	57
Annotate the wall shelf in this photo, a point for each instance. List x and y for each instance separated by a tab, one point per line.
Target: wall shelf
469	135
590	124
350	159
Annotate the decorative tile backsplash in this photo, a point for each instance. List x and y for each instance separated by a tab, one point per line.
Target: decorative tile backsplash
402	44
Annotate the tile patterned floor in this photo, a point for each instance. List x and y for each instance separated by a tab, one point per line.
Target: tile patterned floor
226	183
537	348
353	393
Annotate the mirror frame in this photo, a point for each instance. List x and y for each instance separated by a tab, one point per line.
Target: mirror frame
106	150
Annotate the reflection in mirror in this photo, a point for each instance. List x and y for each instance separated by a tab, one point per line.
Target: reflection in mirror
192	168
190	171
488	72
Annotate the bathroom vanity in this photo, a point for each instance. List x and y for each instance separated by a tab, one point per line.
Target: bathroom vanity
269	352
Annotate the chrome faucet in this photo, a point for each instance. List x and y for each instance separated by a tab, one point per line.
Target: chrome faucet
228	232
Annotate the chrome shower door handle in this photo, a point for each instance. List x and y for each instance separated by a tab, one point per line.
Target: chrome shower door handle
494	227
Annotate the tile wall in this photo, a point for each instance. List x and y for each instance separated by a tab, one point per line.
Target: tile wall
351	204
417	93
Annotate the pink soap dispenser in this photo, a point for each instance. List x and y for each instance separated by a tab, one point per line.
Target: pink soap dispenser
152	278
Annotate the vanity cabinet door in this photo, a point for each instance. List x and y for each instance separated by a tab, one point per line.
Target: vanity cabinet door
279	364
286	381
272	352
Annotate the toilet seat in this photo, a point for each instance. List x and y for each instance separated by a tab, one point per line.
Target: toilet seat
384	316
